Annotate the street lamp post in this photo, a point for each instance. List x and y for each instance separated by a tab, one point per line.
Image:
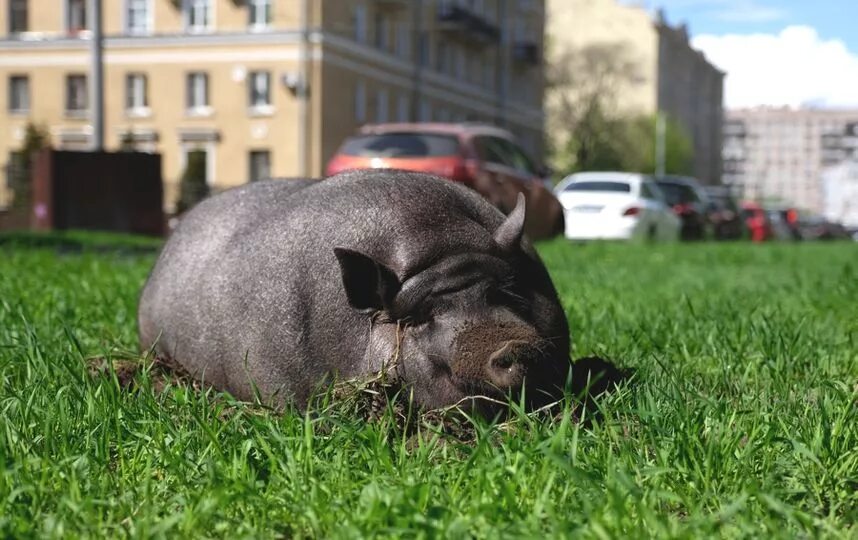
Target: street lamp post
96	76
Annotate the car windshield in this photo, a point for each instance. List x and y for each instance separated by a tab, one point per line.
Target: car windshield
617	187
677	193
401	145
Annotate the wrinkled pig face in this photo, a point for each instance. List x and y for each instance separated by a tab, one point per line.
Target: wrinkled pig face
461	328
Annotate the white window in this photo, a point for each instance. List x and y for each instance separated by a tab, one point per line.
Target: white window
359	23
259	89
403	104
138	16
198	15
381	106
77	96
19	94
260	165
197	92
17	16
260	14
75	16
360	102
136	93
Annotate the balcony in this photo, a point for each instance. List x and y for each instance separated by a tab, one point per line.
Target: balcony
526	52
467	25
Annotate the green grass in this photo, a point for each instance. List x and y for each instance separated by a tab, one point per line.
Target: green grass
741	419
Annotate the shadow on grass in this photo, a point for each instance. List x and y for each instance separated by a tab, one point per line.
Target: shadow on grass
74	242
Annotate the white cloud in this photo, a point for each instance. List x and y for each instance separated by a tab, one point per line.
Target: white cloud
794	67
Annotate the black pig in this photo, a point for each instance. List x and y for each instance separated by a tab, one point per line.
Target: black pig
282	285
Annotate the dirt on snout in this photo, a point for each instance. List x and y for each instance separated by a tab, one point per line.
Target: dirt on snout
476	342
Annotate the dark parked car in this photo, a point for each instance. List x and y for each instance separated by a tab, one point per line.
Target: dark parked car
725	214
482	157
690	202
819	228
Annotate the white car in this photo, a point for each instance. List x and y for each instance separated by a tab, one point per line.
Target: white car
617	206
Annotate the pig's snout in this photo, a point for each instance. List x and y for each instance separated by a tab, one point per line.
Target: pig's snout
507	366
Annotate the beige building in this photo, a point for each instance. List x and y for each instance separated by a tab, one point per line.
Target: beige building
779	153
266	87
666	73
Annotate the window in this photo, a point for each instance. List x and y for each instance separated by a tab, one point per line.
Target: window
75	16
403	40
401	145
137	16
198	15
381	106
260	89
77	97
197	95
402	108
19	94
360	102
201	157
382	31
260	165
17	16
260	14
136	93
425	113
359	23
441	57
602	186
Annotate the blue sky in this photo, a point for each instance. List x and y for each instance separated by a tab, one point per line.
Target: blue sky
832	19
775	52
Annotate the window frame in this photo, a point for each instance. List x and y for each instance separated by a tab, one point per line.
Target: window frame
11	18
188	6
149	18
68	4
132	105
267	106
76	111
192	93
13	108
251	164
253	8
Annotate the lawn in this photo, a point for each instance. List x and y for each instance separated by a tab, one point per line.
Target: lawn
741	418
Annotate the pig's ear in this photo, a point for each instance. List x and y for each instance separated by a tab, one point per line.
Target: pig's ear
369	285
508	235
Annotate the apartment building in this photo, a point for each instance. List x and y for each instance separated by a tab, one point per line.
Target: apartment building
779	154
265	87
667	76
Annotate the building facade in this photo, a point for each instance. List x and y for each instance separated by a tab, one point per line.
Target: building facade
265	87
669	76
778	154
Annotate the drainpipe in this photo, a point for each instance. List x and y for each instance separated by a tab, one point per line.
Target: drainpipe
303	90
96	76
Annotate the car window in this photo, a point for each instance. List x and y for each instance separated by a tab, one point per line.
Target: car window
617	187
517	158
401	145
651	192
678	193
491	150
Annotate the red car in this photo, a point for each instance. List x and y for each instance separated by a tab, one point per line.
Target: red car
484	158
757	221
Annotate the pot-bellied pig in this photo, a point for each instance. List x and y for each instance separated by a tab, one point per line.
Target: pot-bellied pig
279	286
